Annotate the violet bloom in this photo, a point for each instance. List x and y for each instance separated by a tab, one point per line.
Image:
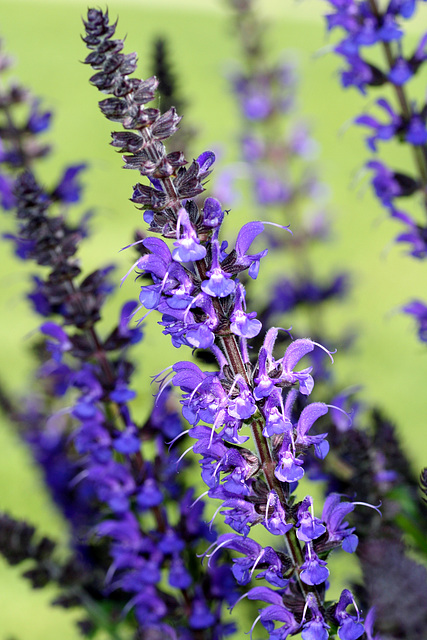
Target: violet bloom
314	570
243	324
219	284
188	247
350	626
418	309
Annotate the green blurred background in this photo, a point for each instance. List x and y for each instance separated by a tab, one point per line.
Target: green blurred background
387	359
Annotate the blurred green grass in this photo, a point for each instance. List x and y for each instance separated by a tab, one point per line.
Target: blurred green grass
387	359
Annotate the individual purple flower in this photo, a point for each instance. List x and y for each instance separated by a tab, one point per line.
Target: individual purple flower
314	570
334	512
187	246
38	121
69	189
219	284
389	185
308	416
213	215
350	627
246	236
275	516
6	193
201	617
416	132
289	468
381	131
400	73
418	309
308	527
243	324
293	354
317	627
415	235
279	613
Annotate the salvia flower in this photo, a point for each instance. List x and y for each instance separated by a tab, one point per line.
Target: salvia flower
198	289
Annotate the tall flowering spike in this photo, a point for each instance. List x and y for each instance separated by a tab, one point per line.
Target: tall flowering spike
118	480
203	305
91	449
367	26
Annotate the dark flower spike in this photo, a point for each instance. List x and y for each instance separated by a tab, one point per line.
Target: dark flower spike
103	436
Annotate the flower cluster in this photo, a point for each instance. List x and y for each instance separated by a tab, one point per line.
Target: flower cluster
197	287
112	492
368	26
143	562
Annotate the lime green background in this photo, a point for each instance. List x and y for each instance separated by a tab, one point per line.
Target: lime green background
387	360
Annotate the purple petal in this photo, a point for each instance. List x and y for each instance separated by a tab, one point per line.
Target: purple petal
296	350
247	235
206	160
309	415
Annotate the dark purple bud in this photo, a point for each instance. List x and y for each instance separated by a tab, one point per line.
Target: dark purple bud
146	90
166	125
212	213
